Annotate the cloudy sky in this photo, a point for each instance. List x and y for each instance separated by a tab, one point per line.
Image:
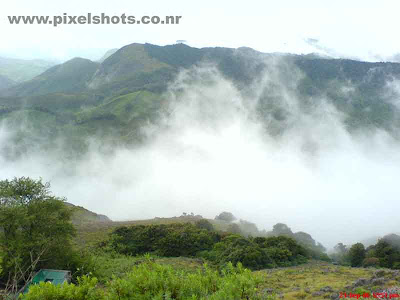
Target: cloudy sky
359	29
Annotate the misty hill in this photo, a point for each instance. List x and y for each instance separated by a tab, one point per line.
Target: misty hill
116	97
69	77
81	215
392	238
5	82
107	55
20	70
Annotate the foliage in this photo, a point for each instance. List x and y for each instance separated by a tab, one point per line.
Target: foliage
204	224
35	231
248	228
165	240
340	254
370	262
257	253
388	254
189	240
225	216
356	254
86	289
281	229
150	281
235	249
234	228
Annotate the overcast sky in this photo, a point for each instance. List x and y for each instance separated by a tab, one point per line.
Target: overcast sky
362	29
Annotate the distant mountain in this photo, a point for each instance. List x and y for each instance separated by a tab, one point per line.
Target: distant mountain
115	97
5	82
69	77
20	70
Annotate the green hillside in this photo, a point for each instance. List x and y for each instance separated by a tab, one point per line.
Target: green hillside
115	98
5	82
72	76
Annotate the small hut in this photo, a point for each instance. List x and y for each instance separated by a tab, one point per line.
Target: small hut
48	275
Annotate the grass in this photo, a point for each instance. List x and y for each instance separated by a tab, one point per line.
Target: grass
301	282
290	283
110	264
91	231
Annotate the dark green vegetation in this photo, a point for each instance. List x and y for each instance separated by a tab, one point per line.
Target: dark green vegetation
35	233
385	253
35	229
220	248
114	98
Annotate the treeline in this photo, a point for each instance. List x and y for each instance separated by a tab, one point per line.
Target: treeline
201	240
384	254
242	227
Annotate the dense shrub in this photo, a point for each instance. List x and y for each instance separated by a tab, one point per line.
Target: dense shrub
370	262
165	240
86	289
235	249
190	240
257	253
387	254
204	224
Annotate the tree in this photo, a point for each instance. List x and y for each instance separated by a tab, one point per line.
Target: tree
204	224
281	229
226	216
340	249
248	228
35	229
357	255
234	228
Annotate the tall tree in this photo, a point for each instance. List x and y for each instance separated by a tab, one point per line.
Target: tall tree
357	254
35	228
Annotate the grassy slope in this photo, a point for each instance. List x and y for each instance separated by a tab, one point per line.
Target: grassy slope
301	281
90	233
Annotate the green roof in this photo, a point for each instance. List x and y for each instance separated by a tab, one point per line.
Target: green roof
46	275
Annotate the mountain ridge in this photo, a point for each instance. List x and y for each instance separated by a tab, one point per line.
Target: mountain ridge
70	97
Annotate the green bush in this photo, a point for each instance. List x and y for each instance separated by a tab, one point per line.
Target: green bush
152	281
190	240
370	262
204	224
86	289
387	254
396	265
164	240
257	253
235	249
